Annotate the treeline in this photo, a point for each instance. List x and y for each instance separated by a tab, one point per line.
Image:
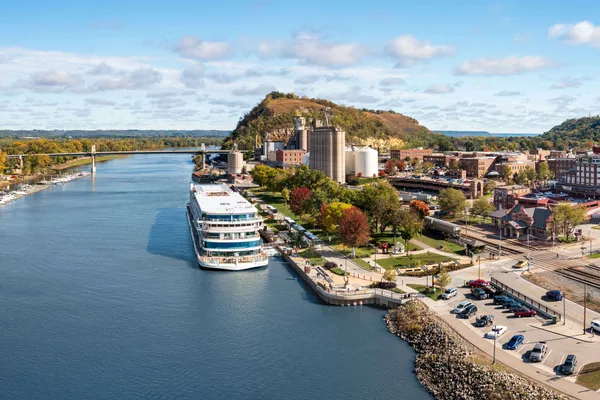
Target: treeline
33	164
109	133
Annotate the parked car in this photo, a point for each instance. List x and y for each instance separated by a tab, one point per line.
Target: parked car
449	293
479	294
496	332
568	367
524	312
461	306
478	283
521	264
595	325
468	311
499	300
515	342
516	306
510	303
484	320
554	295
539	352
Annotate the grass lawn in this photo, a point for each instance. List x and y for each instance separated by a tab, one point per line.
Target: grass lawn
421	289
411	261
398	290
589	376
312	255
595	255
388	237
275	200
363	264
449	247
596	227
338	271
85	161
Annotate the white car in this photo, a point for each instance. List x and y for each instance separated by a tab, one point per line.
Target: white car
461	306
496	332
450	292
595	325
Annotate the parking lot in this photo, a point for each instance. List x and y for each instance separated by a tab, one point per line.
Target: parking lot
533	329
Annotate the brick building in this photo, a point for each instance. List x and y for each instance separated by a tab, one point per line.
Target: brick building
289	157
477	167
410	153
561	167
506	197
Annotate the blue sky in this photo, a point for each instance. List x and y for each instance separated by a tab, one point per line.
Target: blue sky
504	66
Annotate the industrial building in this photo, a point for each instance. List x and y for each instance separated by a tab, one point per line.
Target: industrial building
289	157
328	151
361	161
301	134
410	153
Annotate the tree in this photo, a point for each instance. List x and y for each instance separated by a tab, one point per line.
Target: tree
298	198
260	174
285	193
482	207
530	174
420	207
427	165
452	201
401	165
567	217
489	186
443	279
390	167
543	171
409	223
332	215
354	228
2	161
507	173
390	275
453	164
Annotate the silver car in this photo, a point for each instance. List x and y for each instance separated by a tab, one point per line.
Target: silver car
450	292
539	352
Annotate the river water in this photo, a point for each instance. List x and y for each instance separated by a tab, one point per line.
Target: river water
100	298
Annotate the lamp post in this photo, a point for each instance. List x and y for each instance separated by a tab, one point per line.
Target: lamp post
495	334
479	269
590	236
584	305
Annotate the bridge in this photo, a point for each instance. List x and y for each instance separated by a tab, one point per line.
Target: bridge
93	154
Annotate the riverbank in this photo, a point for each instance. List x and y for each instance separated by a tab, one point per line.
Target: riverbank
448	366
83	161
26	190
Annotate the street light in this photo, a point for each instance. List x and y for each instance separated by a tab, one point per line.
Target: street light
495	334
479	270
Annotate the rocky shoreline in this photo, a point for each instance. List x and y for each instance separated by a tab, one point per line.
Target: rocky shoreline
447	366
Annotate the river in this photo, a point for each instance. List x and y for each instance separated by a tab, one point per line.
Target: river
100	298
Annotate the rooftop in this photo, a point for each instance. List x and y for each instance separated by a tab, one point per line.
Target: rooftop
215	199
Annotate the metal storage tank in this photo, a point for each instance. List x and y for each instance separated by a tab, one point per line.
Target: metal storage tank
350	157
235	162
365	162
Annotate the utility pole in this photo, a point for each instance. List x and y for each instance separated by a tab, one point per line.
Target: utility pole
495	334
584	305
565	308
500	241
479	270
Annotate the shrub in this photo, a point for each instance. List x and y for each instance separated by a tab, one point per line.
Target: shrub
329	265
338	271
383	285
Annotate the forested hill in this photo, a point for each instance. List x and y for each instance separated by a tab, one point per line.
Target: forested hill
123	133
274	116
575	132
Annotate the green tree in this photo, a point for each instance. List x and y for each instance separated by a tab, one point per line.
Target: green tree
366	198
427	165
543	171
285	193
482	207
489	186
530	174
453	164
507	173
409	223
452	201
333	214
390	275
2	161
443	279
567	217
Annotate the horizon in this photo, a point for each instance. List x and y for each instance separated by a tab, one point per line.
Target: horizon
501	67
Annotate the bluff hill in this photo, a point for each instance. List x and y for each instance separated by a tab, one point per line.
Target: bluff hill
274	116
575	131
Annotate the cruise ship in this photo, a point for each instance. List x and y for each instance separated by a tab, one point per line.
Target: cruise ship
224	228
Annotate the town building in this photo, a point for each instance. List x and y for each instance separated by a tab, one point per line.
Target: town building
539	154
289	157
516	166
561	167
270	146
410	153
518	222
328	151
361	161
477	167
506	197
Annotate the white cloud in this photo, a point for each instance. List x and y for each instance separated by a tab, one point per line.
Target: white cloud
50	81
261	90
508	93
566	83
392	81
103	69
408	50
192	48
193	77
439	89
583	32
502	67
162	94
139	79
100	102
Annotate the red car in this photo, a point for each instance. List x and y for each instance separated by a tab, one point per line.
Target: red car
478	283
524	312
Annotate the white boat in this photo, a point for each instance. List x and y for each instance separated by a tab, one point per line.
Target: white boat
224	228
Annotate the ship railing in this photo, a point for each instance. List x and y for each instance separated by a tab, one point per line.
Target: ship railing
232	260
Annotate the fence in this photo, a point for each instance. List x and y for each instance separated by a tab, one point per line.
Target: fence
541	308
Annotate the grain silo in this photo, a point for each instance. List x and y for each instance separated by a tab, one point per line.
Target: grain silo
235	162
365	162
328	151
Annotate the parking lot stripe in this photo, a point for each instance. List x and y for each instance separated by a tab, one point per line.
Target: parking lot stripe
547	357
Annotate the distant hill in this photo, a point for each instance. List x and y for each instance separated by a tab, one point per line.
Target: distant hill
585	129
274	116
111	133
484	134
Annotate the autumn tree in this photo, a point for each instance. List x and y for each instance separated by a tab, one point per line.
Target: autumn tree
482	207
453	164
409	223
390	167
285	193
354	228
332	214
567	217
389	275
427	165
489	186
452	201
443	279
298	199
420	207
401	166
507	173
